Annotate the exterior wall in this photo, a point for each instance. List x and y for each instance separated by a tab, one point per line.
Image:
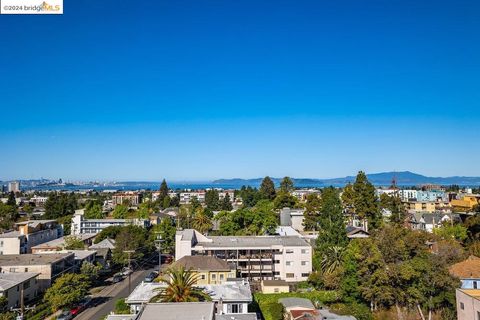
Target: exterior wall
233	307
15	245
421	206
297	222
275	289
186	197
294	263
468	307
41	236
213	277
182	247
31	290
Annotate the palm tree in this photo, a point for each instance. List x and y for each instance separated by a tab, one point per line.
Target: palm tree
332	259
180	287
201	221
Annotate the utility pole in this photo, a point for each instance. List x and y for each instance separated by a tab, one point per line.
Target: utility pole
22	309
129	269
158	243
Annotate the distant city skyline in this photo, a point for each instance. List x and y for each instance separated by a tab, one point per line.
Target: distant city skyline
195	91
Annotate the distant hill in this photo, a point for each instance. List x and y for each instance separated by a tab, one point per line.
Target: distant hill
404	178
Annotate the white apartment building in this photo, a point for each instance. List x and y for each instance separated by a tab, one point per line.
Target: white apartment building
80	225
130	197
186	197
13	186
29	234
286	258
39	201
302	194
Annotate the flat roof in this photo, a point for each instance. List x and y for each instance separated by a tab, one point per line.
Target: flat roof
229	291
9	280
274	283
61	241
253	242
32	259
10	234
144	292
178	311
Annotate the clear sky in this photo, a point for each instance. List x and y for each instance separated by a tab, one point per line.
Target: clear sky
196	90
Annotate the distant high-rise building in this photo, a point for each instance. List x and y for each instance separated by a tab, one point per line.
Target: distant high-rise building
14	186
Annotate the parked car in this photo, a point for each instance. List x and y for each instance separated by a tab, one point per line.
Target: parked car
81	306
65	315
126	271
117	277
151	276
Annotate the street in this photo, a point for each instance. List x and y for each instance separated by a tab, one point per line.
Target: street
104	302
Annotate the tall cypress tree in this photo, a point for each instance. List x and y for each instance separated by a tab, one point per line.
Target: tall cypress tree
163	192
267	188
332	231
366	202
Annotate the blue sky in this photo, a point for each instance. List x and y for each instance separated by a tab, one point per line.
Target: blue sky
196	90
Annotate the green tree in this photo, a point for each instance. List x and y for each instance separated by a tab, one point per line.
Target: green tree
366	202
181	287
91	271
201	222
145	209
212	200
267	188
332	231
8	216
286	185
195	204
121	307
120	211
59	205
131	238
68	290
453	232
74	243
11	201
250	196
225	204
395	206
163	193
166	230
285	200
93	210
311	215
109	232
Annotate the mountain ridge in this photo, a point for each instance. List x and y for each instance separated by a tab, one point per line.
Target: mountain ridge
403	178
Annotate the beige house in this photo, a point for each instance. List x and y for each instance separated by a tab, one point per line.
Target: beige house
13	285
275	286
49	265
209	270
468	304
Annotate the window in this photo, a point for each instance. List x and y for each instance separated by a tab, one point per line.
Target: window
289	251
26	284
462	306
290	275
276	290
305	275
475	285
304	250
304	263
26	269
202	277
277	261
221	276
289	263
214	276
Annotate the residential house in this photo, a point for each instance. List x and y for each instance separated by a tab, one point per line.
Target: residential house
468	304
466	203
49	265
59	244
428	221
207	269
255	257
274	286
14	285
231	297
355	232
468	271
303	309
292	217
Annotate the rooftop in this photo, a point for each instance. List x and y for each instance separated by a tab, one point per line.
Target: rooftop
32	259
202	263
61	241
104	244
9	280
296	303
274	283
10	234
178	311
236	316
474	293
34	223
229	291
144	292
467	269
253	242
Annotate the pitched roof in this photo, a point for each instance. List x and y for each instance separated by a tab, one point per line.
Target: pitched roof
202	263
467	269
296	303
105	243
9	280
